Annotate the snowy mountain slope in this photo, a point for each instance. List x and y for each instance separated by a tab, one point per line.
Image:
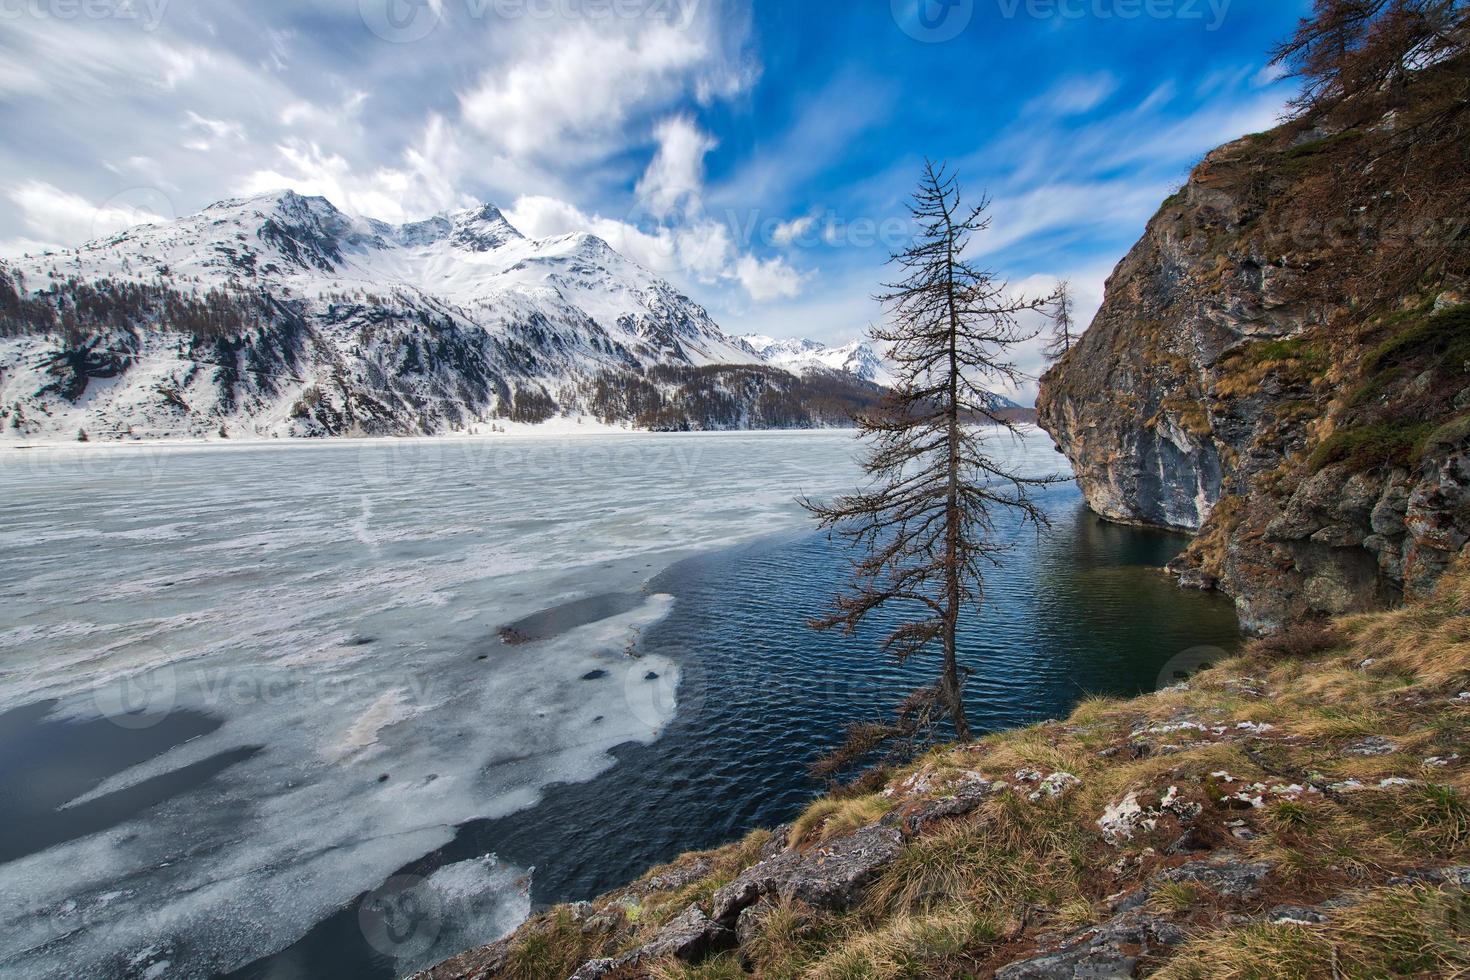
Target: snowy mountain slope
280	315
858	358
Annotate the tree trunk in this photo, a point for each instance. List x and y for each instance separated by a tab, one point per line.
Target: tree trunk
953	691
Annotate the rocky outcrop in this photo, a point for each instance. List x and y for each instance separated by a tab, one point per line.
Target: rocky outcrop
830	877
1226	388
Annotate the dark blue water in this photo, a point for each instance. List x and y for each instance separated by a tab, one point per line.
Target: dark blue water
1080	608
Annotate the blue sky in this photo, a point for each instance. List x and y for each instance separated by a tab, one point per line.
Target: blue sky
758	154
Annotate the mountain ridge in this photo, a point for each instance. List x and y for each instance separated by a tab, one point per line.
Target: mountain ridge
280	315
857	358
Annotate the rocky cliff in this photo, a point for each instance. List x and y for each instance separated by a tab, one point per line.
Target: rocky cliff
1282	364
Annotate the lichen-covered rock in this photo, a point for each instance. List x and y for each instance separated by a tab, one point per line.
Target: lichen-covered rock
1227	875
672	879
1125	818
1112	949
690	936
829	876
915	817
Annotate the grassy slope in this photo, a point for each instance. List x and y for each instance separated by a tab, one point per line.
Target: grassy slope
975	892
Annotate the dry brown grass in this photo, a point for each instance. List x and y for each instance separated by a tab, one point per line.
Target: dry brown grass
552	946
1298	642
905	945
1009	856
831	817
1395	932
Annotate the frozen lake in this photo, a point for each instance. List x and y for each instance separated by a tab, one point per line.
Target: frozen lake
240	687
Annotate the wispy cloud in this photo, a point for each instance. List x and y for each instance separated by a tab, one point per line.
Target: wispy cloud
1074	96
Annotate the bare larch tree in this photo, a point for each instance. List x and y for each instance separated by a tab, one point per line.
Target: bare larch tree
1350	47
924	525
1061	323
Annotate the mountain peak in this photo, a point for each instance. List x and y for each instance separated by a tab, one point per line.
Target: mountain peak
483	229
285	201
803	356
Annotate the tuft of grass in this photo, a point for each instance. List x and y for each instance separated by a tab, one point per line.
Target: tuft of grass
1292	817
1178	898
1298	643
831	817
554	947
1406	931
1010	855
723	967
1443	337
1368	447
906	946
1297	349
1076	914
1439	817
789	934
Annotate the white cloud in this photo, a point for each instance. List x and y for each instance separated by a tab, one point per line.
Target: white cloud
578	87
768	279
705	250
701	248
788	232
427	180
209	133
58	215
1158	98
308	114
677	171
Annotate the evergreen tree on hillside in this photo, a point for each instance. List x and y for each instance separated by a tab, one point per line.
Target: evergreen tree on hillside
1062	334
924	527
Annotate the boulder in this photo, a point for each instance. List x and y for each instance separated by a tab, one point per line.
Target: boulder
1112	949
830	876
1227	875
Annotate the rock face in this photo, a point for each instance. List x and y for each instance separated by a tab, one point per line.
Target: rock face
1319	452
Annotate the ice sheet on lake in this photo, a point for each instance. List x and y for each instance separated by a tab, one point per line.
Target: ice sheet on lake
336	605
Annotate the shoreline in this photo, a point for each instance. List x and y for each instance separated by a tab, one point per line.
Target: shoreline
521	433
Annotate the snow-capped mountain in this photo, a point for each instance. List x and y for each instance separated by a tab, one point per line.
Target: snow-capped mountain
858	358
281	315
